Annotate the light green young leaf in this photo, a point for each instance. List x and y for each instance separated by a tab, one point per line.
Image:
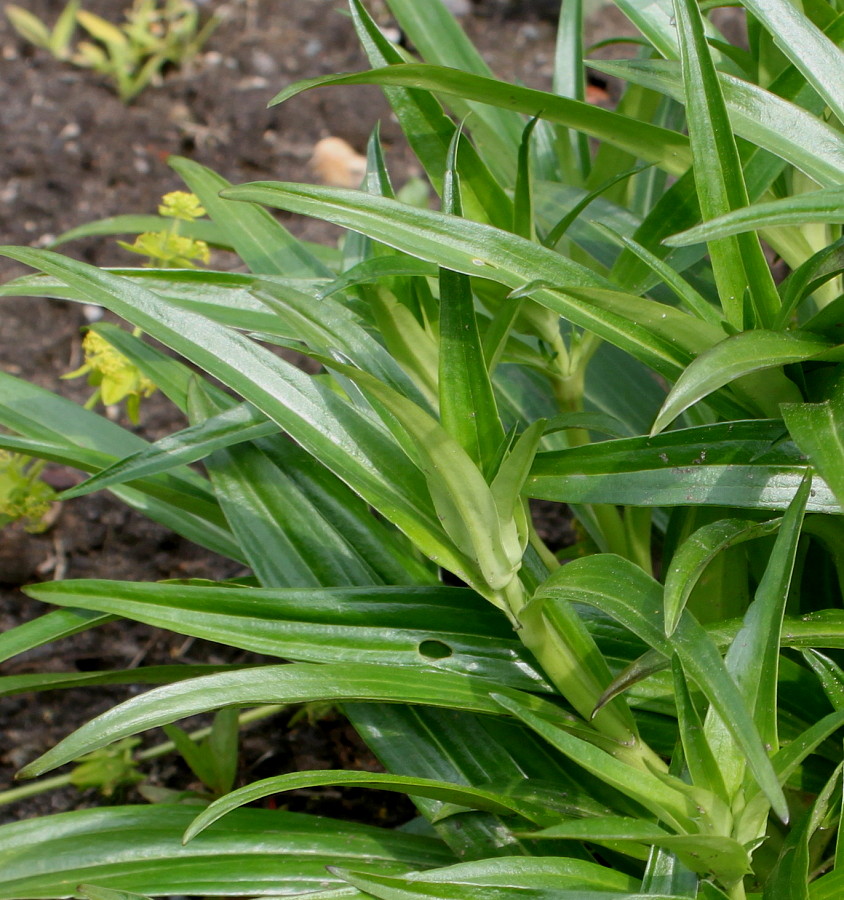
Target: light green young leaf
695	554
737	356
468	410
461	497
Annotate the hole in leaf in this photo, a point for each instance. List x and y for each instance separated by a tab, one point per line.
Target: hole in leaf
435	650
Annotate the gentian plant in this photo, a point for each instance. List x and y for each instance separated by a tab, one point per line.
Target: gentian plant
590	317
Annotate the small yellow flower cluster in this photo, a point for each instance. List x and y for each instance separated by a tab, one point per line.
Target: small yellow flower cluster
181	205
169	249
23	495
113	375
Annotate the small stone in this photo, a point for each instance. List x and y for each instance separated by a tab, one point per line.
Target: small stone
458	7
337	163
70	131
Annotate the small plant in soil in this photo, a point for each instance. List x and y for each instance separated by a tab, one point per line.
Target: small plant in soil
589	317
155	34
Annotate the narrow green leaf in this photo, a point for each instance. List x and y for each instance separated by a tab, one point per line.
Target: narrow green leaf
436	627
744	464
53	626
660	146
818	430
468	411
695	554
294	683
429	131
753	657
737	356
817	206
737	262
830	675
621	589
52	681
416	888
461	795
658	335
570	81
697	754
232	426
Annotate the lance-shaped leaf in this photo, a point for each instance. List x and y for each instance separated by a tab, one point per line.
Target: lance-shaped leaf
753	657
703	853
352	445
464	502
658	335
738	263
91	846
736	464
461	795
387	887
818	430
695	554
294	683
468	411
667	149
737	356
429	131
232	426
451	629
804	209
53	626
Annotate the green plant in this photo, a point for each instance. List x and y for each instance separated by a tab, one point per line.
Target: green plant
57	40
658	718
133	54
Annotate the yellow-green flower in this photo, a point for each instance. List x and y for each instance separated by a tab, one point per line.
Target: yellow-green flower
113	375
169	249
181	205
23	495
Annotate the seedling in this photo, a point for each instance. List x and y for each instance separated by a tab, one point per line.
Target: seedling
56	40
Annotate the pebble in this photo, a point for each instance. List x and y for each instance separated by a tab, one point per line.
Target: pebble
337	163
458	7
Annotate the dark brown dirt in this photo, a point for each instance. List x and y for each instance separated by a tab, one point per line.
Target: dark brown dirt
70	152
